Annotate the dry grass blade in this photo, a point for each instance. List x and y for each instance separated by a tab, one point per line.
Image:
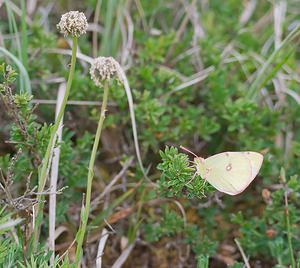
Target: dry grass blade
112	183
123	257
79	56
127	41
200	77
10	224
293	94
18	11
72	102
248	11
279	17
101	245
141	13
278	81
178	35
134	125
199	32
31	6
247	264
260	78
95	36
54	174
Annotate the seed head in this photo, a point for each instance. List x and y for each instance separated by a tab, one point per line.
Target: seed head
73	23
105	69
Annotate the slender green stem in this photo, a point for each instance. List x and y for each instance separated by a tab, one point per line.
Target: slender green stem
43	173
86	210
289	233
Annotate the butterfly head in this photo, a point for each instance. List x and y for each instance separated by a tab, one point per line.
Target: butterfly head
200	166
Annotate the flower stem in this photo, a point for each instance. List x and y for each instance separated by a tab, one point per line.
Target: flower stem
43	172
85	210
289	233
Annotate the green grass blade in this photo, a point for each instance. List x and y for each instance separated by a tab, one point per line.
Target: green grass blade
13	29
257	84
23	72
277	67
116	32
106	39
24	40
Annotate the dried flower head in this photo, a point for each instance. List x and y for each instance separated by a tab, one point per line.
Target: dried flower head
73	23
105	69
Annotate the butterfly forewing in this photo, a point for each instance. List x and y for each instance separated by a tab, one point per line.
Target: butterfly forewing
232	172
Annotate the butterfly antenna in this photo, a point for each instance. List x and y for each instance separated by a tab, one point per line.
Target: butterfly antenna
187	150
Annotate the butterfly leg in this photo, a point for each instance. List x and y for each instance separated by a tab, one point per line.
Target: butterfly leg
192	178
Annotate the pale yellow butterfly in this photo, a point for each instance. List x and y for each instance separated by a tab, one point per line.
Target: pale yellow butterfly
229	172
